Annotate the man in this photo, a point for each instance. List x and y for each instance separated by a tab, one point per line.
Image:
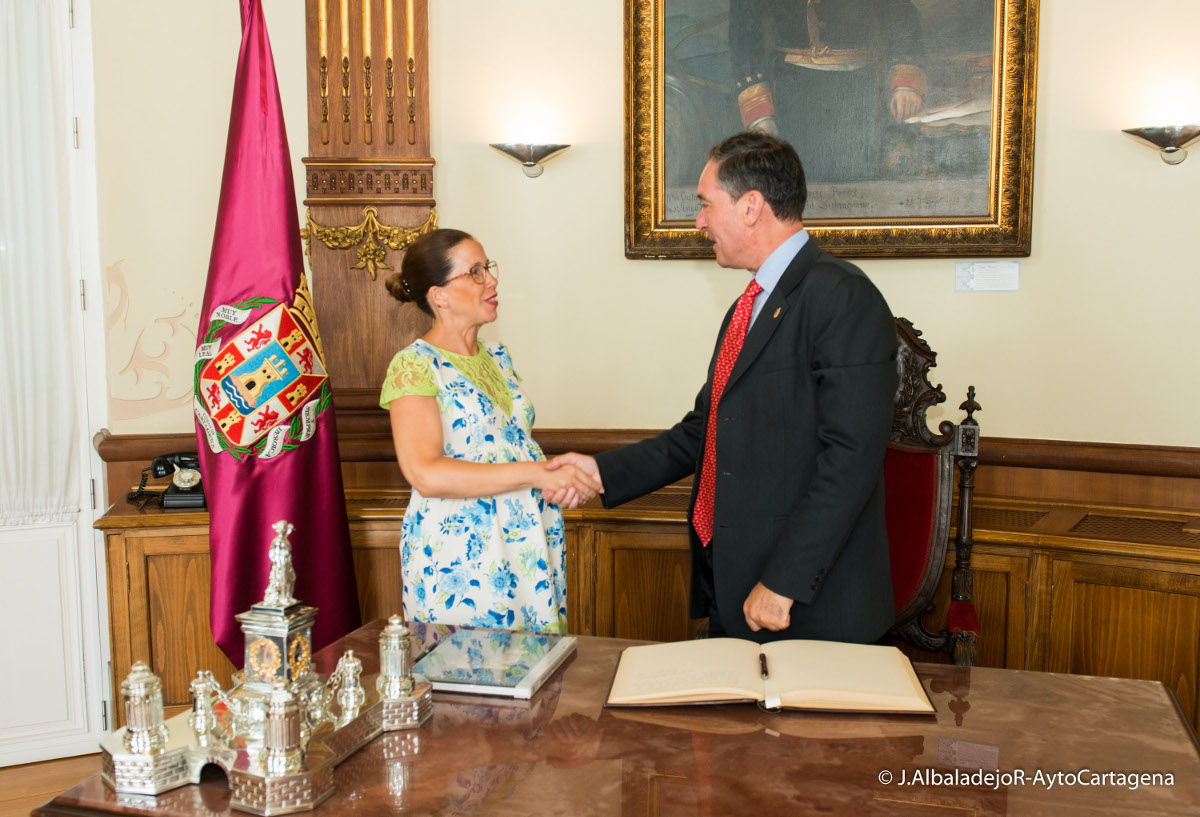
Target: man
837	78
787	525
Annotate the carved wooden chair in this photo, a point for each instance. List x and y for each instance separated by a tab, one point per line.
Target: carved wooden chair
919	487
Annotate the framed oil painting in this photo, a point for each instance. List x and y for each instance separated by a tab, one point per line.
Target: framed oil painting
913	118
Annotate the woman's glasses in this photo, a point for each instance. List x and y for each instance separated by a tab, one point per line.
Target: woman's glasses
479	273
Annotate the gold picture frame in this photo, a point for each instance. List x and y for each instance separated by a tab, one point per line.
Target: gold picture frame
974	200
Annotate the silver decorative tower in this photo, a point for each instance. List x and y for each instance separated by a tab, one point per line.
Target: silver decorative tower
278	636
280	733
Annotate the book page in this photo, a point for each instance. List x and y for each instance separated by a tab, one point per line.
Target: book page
712	669
831	675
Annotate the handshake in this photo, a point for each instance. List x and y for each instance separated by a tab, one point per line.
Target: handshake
570	480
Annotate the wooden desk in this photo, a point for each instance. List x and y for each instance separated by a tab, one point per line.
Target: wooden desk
563	753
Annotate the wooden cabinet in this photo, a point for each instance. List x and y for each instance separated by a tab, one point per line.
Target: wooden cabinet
1111	590
1127	618
1054	591
642	575
158	595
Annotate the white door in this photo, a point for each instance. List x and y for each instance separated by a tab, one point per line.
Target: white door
53	621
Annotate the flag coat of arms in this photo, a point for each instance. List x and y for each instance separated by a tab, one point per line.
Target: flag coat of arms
264	414
268	372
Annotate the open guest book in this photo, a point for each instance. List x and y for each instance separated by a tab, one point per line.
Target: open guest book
493	662
816	675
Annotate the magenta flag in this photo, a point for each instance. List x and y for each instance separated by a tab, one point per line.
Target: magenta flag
264	414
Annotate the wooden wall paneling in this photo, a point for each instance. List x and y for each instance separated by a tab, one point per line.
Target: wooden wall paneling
337	115
1129	620
1099	458
124	477
373	476
1010	469
581	577
1037	619
642	578
120	617
368	177
376	551
181	642
1001	595
140	646
995	452
1144	491
361	325
603	595
651	591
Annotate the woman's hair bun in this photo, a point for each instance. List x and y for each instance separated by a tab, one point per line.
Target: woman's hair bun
398	288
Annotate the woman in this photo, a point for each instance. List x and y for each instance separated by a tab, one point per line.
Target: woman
482	542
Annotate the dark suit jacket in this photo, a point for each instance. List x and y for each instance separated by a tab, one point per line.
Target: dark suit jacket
801	433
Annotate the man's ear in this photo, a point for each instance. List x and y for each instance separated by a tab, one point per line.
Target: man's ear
753	207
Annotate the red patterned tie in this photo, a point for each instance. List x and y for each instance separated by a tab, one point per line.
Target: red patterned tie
702	516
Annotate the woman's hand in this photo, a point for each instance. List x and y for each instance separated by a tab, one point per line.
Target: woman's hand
569	481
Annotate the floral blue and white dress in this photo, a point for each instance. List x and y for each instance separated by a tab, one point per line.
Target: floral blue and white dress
493	561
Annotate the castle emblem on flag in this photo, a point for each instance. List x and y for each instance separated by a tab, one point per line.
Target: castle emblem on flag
253	385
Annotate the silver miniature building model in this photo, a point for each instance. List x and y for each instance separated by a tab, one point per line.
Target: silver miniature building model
280	733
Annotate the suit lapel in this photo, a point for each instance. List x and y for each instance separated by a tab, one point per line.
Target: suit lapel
773	310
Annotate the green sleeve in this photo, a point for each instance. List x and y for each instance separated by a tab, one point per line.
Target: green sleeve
408	374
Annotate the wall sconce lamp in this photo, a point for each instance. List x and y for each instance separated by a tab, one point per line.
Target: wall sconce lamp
1170	140
531	156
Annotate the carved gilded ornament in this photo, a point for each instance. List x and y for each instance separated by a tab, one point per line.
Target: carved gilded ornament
366	237
262	659
299	657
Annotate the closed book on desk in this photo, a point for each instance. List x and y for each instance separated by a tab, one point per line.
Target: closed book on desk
815	675
491	662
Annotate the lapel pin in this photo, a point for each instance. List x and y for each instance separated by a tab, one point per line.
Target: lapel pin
777	310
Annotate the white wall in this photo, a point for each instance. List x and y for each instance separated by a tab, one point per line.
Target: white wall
1097	345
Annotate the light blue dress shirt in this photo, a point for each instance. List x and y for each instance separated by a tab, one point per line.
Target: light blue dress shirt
772	270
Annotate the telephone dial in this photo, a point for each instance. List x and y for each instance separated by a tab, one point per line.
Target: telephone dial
185	490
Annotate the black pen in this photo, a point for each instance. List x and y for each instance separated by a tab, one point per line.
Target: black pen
762	664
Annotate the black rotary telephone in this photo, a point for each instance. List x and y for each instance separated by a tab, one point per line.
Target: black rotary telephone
185	490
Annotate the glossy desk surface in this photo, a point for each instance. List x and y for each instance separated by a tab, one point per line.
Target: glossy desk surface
1060	743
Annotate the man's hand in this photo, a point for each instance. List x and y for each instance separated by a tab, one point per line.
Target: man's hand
767	610
589	468
905	102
